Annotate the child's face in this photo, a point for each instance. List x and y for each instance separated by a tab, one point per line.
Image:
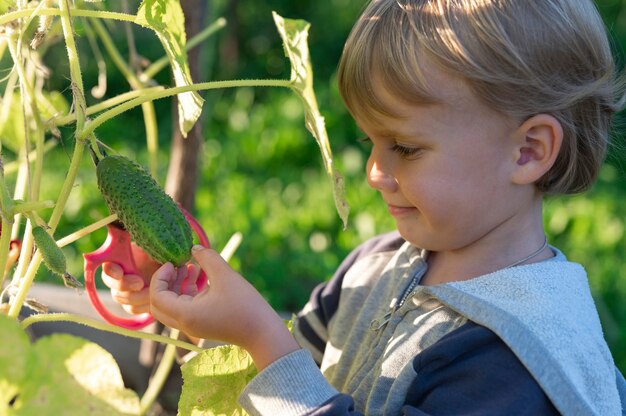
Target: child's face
444	170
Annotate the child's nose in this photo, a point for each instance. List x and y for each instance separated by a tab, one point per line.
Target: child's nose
378	177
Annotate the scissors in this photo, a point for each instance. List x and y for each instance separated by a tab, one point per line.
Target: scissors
117	249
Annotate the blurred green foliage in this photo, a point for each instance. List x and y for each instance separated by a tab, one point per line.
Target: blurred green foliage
262	173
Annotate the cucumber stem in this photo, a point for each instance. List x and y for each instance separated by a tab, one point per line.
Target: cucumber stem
19	14
80	106
70	238
103	105
92	125
156	383
29	100
68	317
25	207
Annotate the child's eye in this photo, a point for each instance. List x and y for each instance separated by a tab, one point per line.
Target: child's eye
364	140
406	152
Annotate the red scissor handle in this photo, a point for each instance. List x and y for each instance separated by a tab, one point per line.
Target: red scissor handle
117	249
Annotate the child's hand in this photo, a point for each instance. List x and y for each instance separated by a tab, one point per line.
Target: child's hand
131	291
229	309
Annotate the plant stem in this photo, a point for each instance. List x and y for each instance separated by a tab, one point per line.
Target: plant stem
24	207
106	104
24	286
5	246
29	99
152	136
79	105
114	53
25	255
21	185
9	17
156	383
68	317
168	92
70	238
149	113
78	94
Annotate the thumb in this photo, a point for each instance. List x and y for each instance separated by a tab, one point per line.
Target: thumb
211	262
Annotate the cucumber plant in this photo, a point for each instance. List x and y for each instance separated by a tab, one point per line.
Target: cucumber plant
26	117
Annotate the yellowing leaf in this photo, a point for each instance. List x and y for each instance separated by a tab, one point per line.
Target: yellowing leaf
60	374
294	34
213	381
166	18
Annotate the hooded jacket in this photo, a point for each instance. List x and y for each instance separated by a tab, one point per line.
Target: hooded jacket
525	340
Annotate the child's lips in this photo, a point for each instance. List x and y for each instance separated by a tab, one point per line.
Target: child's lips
398	211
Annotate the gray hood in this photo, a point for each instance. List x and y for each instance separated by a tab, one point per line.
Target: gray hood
545	313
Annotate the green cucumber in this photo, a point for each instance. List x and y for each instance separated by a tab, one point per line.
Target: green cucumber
52	256
153	219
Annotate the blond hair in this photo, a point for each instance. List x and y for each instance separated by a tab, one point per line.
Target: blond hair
520	57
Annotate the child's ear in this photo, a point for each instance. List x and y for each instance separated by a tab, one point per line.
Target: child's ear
537	145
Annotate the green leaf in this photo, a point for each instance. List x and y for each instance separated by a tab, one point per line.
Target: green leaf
213	380
294	34
60	374
166	18
14	357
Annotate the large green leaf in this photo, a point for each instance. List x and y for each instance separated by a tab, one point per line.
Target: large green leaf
60	374
294	34
213	380
166	18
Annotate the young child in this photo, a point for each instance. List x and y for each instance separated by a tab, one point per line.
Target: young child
475	110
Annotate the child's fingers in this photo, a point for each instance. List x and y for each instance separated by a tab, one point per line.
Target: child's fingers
114	270
138	300
190	283
137	309
177	283
164	303
114	278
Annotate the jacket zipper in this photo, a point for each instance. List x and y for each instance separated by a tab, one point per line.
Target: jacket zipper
378	324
